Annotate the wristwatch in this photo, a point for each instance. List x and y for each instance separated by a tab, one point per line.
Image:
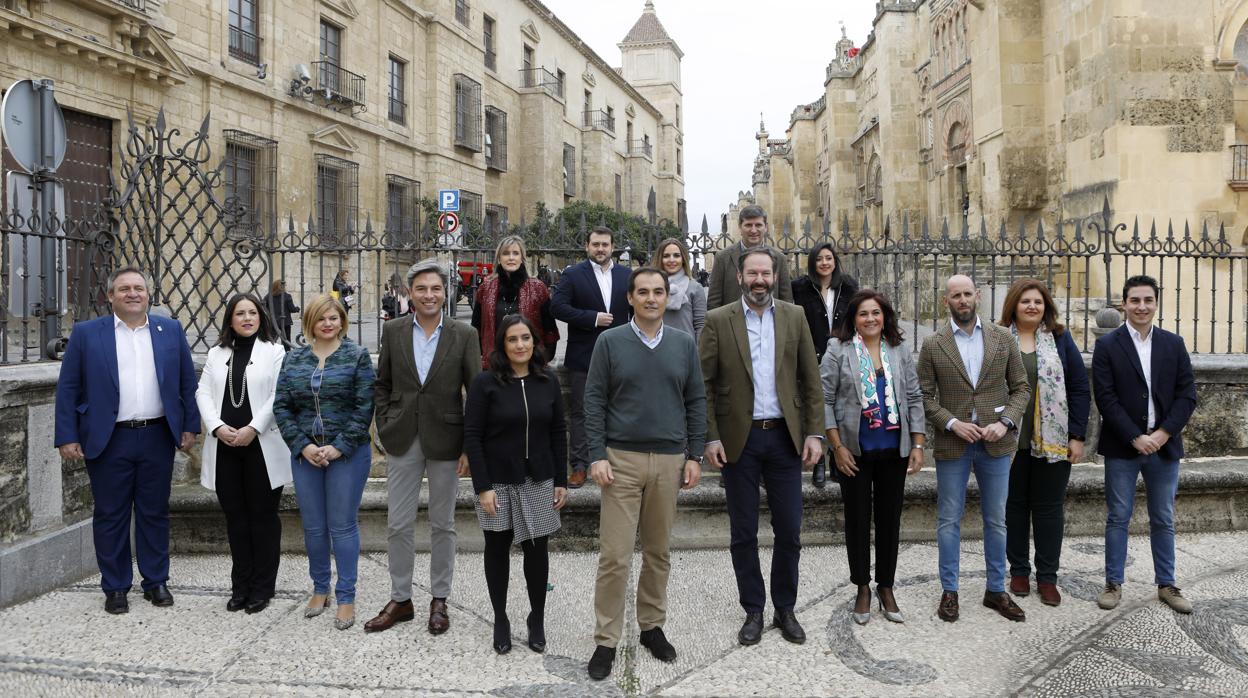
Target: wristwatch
918	446
1009	423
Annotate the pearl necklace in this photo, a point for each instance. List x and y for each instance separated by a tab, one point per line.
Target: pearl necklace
229	385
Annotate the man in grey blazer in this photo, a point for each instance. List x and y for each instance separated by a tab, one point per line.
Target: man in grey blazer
724	288
426	364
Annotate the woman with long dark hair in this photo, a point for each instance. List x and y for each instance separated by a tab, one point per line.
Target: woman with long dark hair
873	409
510	290
244	458
516	441
686	302
1050	437
824	294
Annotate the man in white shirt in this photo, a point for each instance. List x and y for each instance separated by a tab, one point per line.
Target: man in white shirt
125	400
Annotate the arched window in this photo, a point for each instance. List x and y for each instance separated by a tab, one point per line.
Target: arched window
956	143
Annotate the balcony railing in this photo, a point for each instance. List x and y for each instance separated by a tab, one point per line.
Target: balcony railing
599	119
336	84
1239	167
244	46
540	77
398	110
642	147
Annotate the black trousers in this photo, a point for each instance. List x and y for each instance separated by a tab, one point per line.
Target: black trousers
881	480
498	570
251	520
768	455
1036	502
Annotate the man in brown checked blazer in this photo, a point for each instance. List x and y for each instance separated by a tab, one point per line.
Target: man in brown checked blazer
426	363
975	392
764	419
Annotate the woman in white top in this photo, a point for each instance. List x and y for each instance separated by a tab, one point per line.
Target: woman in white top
686	302
245	459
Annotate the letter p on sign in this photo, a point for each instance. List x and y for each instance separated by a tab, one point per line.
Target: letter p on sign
448	200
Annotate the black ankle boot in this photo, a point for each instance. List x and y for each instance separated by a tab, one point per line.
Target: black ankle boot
502	635
537	632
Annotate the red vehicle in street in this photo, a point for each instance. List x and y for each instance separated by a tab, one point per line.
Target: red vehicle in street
471	274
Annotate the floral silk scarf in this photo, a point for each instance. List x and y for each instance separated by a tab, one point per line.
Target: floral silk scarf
1050	439
870	397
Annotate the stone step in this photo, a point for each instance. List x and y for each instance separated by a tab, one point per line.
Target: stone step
1213	496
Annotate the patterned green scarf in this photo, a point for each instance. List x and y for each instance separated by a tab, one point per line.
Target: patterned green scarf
1050	439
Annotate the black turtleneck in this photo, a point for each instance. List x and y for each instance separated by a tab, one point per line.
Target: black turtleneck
238	417
509	284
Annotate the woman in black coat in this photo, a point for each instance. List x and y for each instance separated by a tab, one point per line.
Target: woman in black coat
824	294
516	440
281	308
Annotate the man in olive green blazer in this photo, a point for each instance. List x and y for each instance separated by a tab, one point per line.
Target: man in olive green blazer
764	419
426	364
724	288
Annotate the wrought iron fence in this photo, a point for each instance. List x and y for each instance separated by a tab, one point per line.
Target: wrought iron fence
168	218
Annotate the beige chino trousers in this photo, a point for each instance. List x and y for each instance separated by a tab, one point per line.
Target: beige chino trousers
643	497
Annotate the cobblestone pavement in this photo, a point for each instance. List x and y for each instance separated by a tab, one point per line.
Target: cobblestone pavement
63	643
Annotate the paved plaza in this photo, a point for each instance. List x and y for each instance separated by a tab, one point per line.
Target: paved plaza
63	643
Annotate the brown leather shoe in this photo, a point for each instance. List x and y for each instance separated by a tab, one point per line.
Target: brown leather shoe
439	621
394	612
576	479
1003	603
1049	595
1020	585
947	610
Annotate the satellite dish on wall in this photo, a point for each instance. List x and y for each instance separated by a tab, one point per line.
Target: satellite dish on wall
20	110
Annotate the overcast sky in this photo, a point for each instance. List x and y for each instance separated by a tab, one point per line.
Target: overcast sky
741	57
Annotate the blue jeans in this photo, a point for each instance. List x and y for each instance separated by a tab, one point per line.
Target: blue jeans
992	474
1161	484
329	504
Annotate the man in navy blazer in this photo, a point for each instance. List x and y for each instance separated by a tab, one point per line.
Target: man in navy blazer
125	400
592	298
1144	387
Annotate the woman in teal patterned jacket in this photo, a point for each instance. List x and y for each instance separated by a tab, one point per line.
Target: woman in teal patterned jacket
324	406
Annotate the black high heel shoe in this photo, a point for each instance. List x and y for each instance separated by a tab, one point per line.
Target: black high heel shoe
502	635
537	634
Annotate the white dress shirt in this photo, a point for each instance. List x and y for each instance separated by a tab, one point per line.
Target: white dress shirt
1144	349
423	349
603	276
829	301
650	343
761	331
136	372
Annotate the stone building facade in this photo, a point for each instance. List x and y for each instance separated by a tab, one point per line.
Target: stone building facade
330	109
1017	110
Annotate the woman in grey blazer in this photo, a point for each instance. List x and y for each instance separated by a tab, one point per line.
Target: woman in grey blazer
686	301
873	411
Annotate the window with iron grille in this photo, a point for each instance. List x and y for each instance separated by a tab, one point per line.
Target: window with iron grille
245	30
569	170
487	38
461	12
495	221
250	171
402	206
469	206
495	138
467	113
398	99
337	197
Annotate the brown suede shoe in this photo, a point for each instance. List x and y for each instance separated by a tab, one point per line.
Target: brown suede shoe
439	621
1049	595
394	612
1003	603
577	479
1020	585
947	610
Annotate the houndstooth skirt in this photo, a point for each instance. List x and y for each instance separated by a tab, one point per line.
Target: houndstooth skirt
527	509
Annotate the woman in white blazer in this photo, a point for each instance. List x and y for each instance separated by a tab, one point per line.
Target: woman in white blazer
245	459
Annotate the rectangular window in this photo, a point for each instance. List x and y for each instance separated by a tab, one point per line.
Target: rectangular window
526	67
250	172
561	79
677	116
398	101
245	30
461	12
495	139
337	198
402	204
467	113
569	170
469	206
331	57
495	221
487	38
679	163
589	103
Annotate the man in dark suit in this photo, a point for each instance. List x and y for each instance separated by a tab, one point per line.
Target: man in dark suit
975	393
1144	387
591	297
764	420
427	363
125	400
724	287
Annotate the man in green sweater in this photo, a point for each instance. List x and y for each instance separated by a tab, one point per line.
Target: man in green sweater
645	421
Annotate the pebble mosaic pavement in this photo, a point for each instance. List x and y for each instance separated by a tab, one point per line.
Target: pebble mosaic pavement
63	644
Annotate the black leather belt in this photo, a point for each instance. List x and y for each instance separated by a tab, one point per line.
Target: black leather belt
140	423
765	424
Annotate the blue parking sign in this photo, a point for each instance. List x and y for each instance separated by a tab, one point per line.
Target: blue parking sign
448	200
